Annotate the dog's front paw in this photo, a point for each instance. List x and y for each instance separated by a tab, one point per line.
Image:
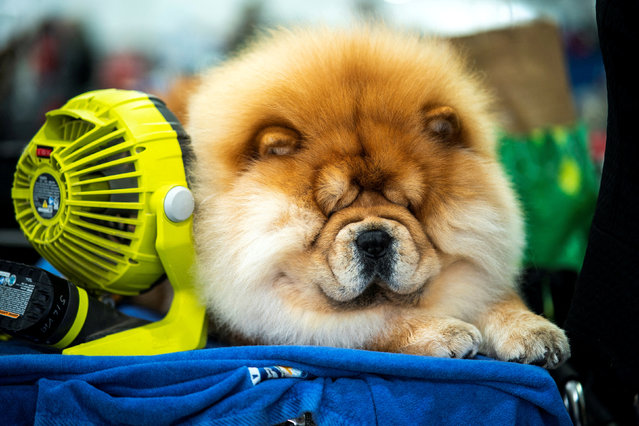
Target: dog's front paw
444	338
528	339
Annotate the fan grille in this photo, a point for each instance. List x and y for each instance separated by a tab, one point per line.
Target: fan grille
100	163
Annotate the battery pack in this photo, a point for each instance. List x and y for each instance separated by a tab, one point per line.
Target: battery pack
46	309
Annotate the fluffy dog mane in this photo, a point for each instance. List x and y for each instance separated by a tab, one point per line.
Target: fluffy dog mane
336	88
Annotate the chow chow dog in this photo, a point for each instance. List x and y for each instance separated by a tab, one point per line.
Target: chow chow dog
348	194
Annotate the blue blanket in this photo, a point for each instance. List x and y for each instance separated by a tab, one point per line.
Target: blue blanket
268	385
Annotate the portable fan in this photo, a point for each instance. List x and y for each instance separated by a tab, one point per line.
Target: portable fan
101	193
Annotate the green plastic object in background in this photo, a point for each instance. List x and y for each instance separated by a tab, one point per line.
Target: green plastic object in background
557	183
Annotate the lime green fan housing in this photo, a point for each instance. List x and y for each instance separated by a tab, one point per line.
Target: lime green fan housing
101	193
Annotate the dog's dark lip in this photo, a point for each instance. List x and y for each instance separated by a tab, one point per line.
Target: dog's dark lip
372	296
376	294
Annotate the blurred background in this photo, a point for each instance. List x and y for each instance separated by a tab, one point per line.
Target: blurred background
541	57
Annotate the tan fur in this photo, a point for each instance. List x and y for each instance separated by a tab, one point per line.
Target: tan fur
310	138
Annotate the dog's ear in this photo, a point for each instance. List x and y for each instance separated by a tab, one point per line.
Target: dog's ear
442	123
277	140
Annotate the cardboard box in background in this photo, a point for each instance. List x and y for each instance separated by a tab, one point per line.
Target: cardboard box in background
526	67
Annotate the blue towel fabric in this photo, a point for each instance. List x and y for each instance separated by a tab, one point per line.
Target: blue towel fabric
266	385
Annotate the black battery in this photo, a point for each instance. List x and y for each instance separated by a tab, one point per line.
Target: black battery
46	309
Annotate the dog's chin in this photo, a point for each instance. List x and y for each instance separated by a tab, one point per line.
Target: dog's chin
377	293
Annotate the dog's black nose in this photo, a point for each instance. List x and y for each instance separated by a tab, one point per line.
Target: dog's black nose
374	243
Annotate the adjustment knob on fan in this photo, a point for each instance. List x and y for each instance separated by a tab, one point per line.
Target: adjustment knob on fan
178	204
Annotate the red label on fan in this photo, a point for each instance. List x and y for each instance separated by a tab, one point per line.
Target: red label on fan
44	151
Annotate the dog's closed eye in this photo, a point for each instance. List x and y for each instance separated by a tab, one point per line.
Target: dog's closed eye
277	141
442	123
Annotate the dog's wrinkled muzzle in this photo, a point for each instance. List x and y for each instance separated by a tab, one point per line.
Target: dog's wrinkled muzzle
375	250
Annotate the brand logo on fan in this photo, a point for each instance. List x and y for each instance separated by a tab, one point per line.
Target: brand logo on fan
44	151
